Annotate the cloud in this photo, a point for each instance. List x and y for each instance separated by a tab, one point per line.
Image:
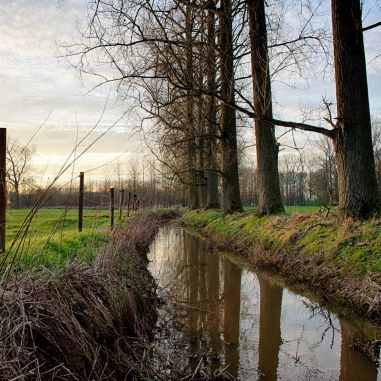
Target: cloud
34	81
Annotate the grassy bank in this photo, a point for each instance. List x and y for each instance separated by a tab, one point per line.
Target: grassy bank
84	322
338	259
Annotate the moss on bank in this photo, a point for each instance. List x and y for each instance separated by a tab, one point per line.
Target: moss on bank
339	259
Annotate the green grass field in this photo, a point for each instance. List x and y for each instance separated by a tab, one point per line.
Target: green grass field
52	240
301	209
291	209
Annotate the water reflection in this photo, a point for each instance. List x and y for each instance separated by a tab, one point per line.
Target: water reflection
226	315
354	366
231	310
213	318
269	328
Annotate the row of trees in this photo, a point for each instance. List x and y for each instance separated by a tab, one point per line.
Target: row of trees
189	66
299	184
305	179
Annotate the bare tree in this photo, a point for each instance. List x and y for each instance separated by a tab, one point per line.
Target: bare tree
133	174
293	179
269	198
19	167
228	120
194	201
327	170
358	193
351	132
154	48
211	111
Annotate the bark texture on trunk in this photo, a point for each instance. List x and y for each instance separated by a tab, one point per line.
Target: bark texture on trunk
193	200
357	182
230	182
201	170
212	201
269	195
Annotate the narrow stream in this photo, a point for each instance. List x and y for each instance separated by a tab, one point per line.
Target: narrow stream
228	315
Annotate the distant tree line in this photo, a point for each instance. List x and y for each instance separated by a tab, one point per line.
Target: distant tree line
305	179
97	196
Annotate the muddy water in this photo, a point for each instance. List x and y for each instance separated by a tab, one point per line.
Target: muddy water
224	315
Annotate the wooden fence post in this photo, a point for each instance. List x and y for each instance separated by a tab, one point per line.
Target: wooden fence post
80	201
112	203
121	205
3	185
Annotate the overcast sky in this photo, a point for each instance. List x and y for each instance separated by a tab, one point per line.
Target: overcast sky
36	84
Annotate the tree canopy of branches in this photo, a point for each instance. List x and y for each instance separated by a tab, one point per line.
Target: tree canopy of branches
185	64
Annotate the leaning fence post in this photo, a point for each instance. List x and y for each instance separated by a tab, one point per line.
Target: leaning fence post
121	204
112	203
80	201
3	189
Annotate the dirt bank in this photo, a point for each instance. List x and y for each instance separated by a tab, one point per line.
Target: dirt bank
339	260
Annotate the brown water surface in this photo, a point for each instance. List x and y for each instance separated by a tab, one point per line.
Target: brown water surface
227	315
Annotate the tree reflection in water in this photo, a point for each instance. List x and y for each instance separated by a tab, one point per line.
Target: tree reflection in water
214	317
269	328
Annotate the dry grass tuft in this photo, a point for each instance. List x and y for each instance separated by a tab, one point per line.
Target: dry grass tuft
72	326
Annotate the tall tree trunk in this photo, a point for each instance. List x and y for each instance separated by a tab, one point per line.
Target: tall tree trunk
202	180
193	201
357	182
269	196
17	195
211	114
201	173
230	182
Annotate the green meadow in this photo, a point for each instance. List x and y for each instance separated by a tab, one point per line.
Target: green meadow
291	208
51	240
